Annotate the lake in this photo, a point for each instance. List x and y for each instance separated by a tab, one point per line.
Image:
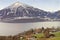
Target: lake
15	28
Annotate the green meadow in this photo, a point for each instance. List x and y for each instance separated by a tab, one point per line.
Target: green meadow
41	36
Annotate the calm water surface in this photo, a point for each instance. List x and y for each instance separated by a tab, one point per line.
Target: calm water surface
15	28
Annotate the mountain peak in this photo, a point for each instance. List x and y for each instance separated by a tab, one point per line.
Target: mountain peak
17	4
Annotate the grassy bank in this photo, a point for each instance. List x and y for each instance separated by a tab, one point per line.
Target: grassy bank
40	36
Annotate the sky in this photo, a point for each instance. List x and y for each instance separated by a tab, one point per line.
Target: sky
47	5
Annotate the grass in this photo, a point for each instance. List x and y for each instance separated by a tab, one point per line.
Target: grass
57	36
38	35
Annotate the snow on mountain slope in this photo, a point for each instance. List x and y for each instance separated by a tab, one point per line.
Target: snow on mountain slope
19	11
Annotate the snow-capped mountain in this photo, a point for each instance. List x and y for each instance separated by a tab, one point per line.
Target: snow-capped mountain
19	12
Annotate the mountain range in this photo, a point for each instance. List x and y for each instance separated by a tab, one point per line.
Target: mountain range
19	12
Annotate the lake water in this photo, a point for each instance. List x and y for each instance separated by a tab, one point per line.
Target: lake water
15	28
